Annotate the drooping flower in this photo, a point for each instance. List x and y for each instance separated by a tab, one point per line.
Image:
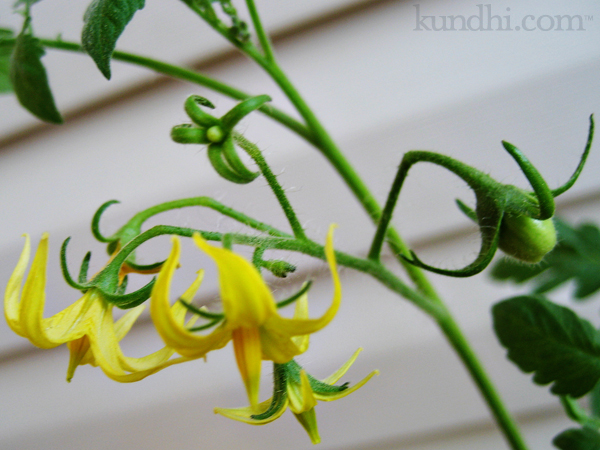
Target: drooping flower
251	320
86	326
296	389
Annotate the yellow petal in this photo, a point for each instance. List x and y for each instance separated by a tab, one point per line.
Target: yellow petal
78	350
248	355
301	396
277	346
58	329
33	299
308	420
301	312
124	324
12	295
169	324
247	300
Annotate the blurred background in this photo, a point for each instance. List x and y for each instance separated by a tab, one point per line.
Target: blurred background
383	81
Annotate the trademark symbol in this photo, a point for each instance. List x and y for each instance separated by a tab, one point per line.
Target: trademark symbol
589	18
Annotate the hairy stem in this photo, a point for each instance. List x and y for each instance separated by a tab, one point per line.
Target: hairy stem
258	158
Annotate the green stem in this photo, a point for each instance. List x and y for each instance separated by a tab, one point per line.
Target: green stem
137	220
305	246
503	417
187	75
258	158
263	37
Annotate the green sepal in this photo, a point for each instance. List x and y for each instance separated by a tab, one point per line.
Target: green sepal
193	109
141	268
83	271
65	269
206	326
131	300
588	145
466	210
187	133
234	161
96	222
104	21
216	158
202	312
551	341
318	387
106	282
242	109
303	290
279	399
545	200
29	79
489	225
578	439
122	287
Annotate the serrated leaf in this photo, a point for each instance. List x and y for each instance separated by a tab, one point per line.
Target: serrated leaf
550	340
29	79
578	439
104	21
576	257
5	52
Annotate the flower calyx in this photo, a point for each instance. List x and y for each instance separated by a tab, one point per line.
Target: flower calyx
512	219
217	133
293	387
110	282
121	238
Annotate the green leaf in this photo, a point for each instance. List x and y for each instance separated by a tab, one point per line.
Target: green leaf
29	79
578	439
5	52
105	20
576	257
550	340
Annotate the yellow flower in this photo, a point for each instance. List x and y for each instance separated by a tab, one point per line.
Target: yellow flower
295	389
251	320
87	326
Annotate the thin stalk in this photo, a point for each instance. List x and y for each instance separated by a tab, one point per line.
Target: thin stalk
263	37
258	158
137	220
386	217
